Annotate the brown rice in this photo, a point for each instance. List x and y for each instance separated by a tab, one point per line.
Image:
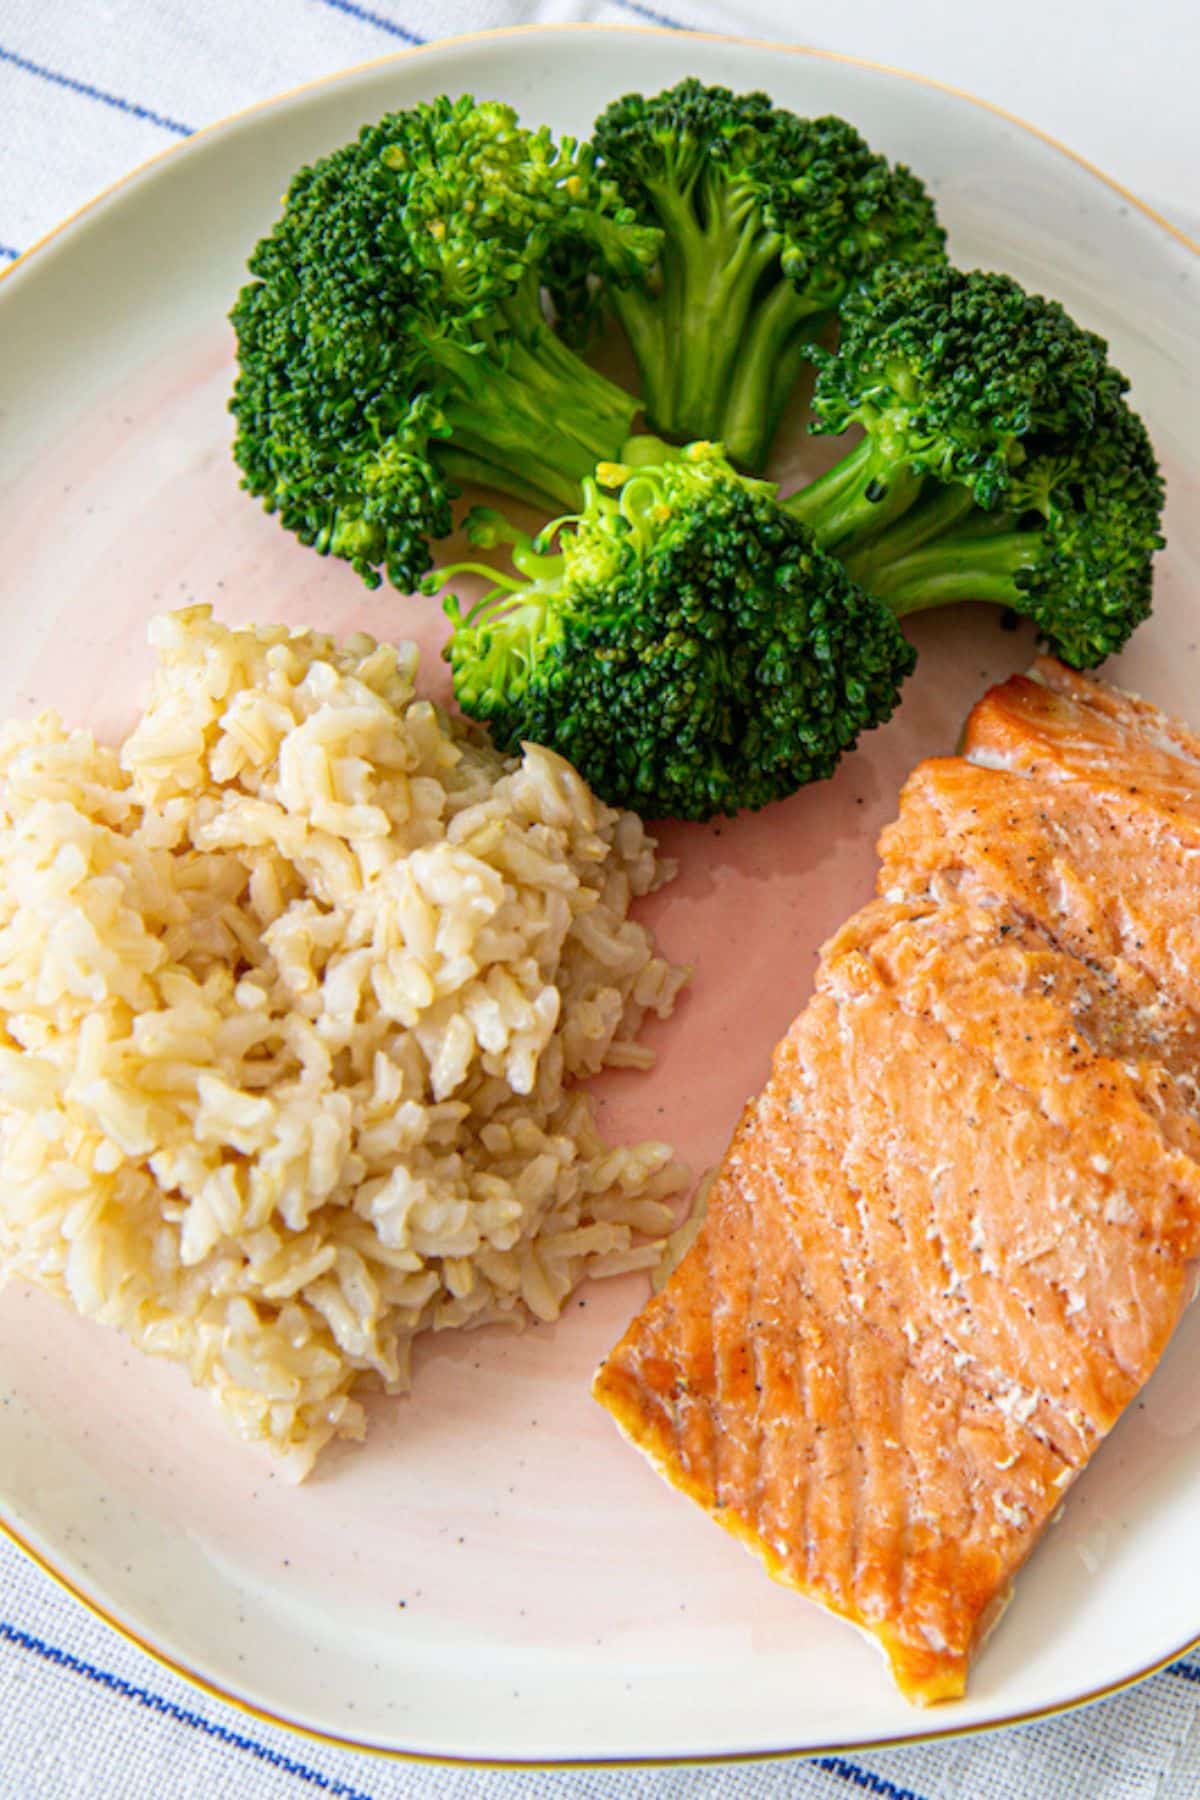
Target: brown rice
293	989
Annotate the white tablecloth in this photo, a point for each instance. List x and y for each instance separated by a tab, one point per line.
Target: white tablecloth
88	88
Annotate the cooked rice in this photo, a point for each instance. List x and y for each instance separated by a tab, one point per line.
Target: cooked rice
294	987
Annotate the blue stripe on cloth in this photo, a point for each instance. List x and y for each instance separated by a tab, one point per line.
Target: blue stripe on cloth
866	1779
373	18
8	254
89	92
648	12
75	1665
1188	1671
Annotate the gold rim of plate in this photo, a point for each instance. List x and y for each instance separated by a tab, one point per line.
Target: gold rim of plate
95	1607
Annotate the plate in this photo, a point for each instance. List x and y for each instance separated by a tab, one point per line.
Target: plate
496	1576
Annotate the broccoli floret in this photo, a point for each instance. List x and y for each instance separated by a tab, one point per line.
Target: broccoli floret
1000	459
1069	547
767	220
686	645
393	341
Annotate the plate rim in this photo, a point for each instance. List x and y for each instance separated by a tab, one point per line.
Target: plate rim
8	1530
445	1759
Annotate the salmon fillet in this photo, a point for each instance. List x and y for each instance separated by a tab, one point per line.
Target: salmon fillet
952	1236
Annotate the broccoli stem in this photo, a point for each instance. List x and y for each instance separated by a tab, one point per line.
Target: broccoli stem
773	352
511	617
937	510
537	569
637	312
508	629
970	566
723	264
644	451
480	471
942	550
688	341
529	417
536	352
495	451
860	495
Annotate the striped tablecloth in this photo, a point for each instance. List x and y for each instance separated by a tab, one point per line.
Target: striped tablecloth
89	88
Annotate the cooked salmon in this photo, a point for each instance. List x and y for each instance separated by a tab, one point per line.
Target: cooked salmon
952	1237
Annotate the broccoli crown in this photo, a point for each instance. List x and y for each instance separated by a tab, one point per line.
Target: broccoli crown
667	142
834	208
392	340
687	646
960	374
1090	583
1001	460
768	219
1071	548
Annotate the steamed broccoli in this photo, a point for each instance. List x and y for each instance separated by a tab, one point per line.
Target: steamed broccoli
767	220
393	342
1000	460
686	645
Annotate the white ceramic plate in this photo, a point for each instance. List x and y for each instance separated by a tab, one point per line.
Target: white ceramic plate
496	1575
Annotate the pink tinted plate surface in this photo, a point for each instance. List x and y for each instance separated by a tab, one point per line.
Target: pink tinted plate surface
495	1574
